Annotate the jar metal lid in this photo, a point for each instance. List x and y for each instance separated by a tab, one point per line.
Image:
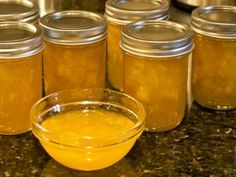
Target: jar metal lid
127	11
18	39
156	38
74	27
215	21
18	10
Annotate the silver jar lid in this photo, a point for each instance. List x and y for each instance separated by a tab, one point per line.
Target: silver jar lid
127	11
215	21
18	10
18	39
156	39
74	27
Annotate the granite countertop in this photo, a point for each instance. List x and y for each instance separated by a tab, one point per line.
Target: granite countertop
204	144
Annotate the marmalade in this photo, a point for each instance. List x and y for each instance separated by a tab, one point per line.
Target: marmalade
157	57
93	125
75	50
114	55
21	86
119	14
21	79
75	66
214	73
162	89
214	57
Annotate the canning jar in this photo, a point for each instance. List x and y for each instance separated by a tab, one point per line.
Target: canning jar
75	50
19	10
119	13
156	66
214	57
21	47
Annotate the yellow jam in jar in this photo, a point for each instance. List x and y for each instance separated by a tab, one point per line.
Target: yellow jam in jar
120	13
20	74
156	71
16	100
214	62
162	89
75	50
214	73
90	124
114	55
81	66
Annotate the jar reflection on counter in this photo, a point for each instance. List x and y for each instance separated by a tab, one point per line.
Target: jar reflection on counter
214	57
156	64
19	10
21	47
120	13
75	50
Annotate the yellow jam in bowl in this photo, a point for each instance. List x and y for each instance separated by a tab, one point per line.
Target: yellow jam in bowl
87	134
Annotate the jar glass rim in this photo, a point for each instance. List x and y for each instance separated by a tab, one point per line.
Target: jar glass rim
19	39
217	21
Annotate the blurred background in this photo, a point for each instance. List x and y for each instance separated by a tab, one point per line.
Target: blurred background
47	6
180	10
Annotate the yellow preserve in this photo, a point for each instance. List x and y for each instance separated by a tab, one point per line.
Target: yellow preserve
114	55
87	129
75	50
162	89
93	125
119	14
214	57
79	66
20	74
21	86
156	69
214	73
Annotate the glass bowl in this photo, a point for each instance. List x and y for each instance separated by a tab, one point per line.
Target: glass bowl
87	129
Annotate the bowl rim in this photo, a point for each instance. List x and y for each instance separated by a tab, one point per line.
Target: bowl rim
39	131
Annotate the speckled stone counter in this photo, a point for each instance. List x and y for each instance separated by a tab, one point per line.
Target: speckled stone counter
204	144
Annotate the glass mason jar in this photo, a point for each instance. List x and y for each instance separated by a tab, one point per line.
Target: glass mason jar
75	50
119	13
156	69
214	57
21	47
19	10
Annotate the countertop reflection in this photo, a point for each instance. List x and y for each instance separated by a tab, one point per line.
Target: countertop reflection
122	168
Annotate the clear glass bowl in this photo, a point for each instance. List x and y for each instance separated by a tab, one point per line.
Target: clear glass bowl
87	129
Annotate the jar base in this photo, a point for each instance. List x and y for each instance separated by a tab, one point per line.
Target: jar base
110	86
216	107
14	132
162	129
